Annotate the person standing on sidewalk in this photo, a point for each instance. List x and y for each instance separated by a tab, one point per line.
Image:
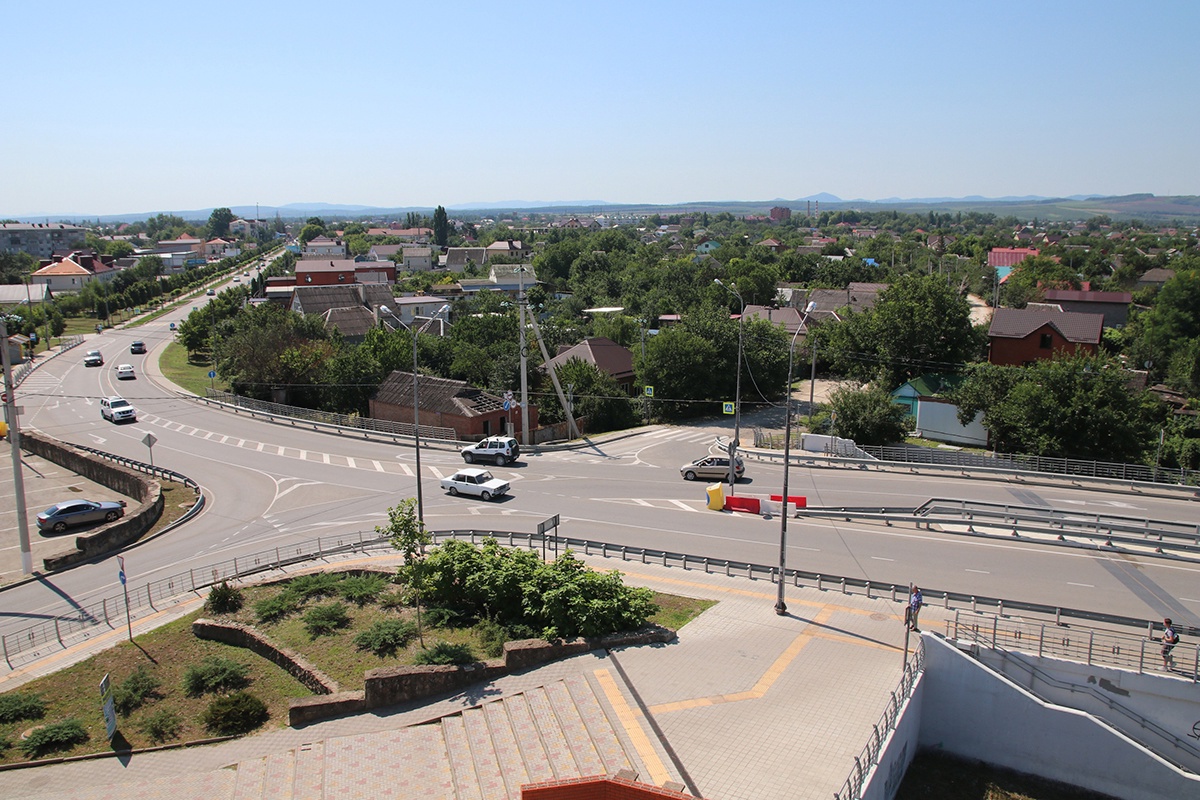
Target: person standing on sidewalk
1170	638
915	601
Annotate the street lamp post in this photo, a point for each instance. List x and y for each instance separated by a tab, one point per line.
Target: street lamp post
780	605
736	442
412	329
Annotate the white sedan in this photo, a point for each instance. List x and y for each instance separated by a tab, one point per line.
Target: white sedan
125	371
472	480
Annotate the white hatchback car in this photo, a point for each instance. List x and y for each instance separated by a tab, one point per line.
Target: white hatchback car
125	371
479	482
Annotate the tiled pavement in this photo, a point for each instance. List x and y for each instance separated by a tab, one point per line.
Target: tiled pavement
745	704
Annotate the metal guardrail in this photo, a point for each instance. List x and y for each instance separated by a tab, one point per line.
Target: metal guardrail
1013	462
1142	539
869	757
139	466
82	622
329	419
22	372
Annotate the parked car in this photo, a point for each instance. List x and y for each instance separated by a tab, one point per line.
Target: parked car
473	480
712	468
117	409
125	371
500	450
92	358
137	348
61	516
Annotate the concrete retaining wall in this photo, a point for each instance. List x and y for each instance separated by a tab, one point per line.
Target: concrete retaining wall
972	712
145	490
389	686
244	636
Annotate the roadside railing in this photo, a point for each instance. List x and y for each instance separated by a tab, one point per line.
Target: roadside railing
342	423
139	466
62	630
869	757
20	373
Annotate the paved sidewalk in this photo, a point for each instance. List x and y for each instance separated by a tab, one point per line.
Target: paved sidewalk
745	704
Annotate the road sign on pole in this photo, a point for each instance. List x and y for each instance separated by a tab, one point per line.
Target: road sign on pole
728	408
125	588
150	441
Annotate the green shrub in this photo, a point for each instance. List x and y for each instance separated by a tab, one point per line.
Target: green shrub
443	618
445	653
385	637
215	674
134	691
277	607
54	738
224	599
235	714
362	589
161	726
323	620
5	743
492	637
393	600
16	706
319	584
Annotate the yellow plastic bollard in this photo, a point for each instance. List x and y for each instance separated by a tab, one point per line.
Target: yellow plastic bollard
716	497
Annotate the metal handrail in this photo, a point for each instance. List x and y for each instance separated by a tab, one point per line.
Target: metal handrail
869	757
139	466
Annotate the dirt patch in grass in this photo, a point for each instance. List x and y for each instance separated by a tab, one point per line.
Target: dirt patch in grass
937	776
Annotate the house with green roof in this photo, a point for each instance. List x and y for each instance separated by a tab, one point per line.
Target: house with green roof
933	415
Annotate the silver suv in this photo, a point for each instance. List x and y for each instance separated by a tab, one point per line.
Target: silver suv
500	450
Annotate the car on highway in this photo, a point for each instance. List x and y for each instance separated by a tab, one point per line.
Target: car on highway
92	358
117	409
237	278
211	292
125	372
475	481
137	348
500	450
712	468
61	516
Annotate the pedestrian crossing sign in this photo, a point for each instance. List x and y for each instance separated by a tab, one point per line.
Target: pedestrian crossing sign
727	408
648	391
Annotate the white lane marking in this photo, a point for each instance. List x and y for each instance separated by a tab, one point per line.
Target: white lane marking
434	470
1189	600
980	571
407	470
642	502
325	457
684	505
881	558
1084	585
351	462
378	466
260	447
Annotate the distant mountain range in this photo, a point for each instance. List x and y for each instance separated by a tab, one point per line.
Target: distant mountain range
1143	206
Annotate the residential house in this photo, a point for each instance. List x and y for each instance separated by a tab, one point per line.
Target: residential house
311	272
507	278
352	322
1113	306
248	227
385	252
186	244
457	258
774	245
1155	277
1020	336
414	308
1010	256
324	247
779	214
21	294
856	297
789	318
417	259
707	246
320	299
40	240
221	248
508	247
605	354
72	272
933	415
472	413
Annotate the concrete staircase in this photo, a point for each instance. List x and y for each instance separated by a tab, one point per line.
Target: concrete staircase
561	730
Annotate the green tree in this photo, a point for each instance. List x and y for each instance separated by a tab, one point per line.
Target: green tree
441	227
1073	407
218	222
408	535
868	416
596	397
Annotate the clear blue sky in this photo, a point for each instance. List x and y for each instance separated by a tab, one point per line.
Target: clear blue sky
136	106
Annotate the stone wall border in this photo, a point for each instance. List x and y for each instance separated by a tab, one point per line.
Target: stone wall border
239	635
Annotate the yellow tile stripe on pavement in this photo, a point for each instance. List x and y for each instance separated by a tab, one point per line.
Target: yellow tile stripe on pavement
632	721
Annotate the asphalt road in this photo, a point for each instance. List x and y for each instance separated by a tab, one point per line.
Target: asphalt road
269	484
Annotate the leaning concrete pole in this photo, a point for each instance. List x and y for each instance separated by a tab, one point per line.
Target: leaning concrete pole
14	439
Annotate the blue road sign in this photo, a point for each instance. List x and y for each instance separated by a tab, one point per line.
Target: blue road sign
212	374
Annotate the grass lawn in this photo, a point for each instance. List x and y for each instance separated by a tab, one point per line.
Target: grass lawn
186	373
167	652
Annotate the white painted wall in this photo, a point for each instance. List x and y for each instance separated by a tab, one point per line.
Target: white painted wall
972	712
939	421
898	749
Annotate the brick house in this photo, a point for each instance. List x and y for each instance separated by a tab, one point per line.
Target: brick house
344	271
1020	336
603	353
472	413
1113	306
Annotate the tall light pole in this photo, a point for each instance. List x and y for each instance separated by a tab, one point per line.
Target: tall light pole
780	606
412	329
736	442
14	438
521	270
